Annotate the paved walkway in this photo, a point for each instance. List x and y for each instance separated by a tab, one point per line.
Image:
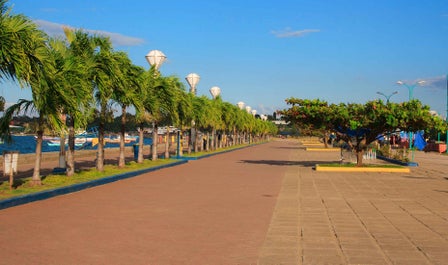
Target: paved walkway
260	205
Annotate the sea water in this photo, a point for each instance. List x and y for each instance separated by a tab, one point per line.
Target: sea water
27	144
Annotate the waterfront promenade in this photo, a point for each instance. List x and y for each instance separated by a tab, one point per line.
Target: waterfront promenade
259	205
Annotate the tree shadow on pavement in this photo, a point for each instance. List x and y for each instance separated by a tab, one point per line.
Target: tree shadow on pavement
286	162
290	147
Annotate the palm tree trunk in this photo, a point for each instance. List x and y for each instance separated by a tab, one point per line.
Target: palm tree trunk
100	153
62	163
167	143
181	151
235	137
154	141
196	141
207	146
71	148
140	144
121	159
36	180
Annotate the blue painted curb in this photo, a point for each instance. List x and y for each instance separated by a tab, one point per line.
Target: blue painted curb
80	186
398	162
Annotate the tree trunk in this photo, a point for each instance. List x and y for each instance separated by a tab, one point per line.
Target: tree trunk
121	158
196	141
140	144
193	140
207	145
62	163
179	142
359	154
100	153
167	143
154	141
326	140
36	180
71	148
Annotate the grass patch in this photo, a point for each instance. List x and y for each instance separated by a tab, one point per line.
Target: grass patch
22	186
353	165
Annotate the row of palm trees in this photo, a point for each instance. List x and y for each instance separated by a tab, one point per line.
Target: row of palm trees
81	75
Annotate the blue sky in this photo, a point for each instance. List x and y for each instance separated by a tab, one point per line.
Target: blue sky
262	52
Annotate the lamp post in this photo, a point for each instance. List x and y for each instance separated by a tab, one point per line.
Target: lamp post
387	96
215	92
240	105
411	87
192	80
155	58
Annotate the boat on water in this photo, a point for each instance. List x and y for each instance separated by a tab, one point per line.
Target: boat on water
82	138
57	142
116	140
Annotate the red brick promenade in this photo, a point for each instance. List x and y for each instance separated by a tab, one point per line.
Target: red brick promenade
259	205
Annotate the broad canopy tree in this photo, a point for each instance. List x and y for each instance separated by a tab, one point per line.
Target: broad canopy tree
359	125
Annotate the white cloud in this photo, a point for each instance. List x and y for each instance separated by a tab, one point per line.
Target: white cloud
55	29
289	33
438	82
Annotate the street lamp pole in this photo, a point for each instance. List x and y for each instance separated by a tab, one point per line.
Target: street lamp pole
387	96
446	118
411	87
215	92
155	58
192	80
240	105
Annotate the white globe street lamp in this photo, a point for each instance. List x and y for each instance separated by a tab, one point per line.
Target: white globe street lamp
193	80
215	91
156	58
240	105
248	109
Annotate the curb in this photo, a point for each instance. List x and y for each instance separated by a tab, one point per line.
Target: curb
398	162
42	195
323	149
362	169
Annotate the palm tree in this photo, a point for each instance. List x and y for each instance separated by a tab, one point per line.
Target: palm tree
101	71
107	69
202	115
229	113
126	93
215	120
160	103
75	94
81	54
20	57
185	112
47	101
